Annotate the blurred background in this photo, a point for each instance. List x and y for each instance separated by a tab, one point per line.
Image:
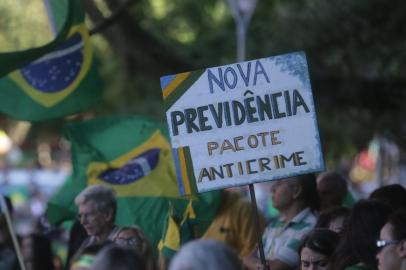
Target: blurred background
355	52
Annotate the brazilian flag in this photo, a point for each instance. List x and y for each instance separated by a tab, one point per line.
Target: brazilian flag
133	156
57	79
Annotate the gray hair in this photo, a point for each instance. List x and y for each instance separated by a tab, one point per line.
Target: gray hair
205	254
102	196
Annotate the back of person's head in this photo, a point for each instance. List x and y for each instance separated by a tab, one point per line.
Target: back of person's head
205	254
85	259
102	196
309	193
320	240
364	224
117	258
37	252
332	189
329	217
394	195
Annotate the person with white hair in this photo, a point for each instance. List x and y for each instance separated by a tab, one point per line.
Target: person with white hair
205	254
97	210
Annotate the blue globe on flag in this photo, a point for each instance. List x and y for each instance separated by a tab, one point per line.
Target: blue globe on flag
137	168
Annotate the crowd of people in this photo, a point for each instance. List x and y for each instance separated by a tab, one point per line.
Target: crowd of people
317	227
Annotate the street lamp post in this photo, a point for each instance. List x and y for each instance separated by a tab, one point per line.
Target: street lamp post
242	11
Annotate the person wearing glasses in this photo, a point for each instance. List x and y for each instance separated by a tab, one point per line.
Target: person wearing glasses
132	237
97	210
392	243
356	249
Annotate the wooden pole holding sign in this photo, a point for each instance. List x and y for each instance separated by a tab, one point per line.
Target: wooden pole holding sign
256	216
242	11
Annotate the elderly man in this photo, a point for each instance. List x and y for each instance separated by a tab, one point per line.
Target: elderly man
297	201
392	243
97	210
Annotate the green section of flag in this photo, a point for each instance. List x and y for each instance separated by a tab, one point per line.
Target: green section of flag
55	80
107	144
61	206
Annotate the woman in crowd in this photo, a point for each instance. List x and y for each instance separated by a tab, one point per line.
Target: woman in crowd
357	248
316	249
133	238
394	195
36	251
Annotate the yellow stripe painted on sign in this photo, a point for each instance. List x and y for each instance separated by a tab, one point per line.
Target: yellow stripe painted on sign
175	83
183	170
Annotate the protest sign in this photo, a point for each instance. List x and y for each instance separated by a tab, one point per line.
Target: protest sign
242	123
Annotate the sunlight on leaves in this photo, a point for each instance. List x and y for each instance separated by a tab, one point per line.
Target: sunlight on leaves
161	8
23	25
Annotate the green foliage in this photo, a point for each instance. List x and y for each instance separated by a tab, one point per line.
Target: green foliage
354	49
23	25
354	52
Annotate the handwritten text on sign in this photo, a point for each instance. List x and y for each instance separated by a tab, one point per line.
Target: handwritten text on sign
243	123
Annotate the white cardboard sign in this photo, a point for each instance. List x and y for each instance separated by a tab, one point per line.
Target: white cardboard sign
242	123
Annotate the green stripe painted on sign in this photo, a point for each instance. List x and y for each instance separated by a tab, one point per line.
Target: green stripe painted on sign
190	171
182	88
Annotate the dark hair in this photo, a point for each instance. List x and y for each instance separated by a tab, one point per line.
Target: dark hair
77	235
357	243
332	188
330	214
310	195
322	241
398	221
42	257
95	248
394	195
364	224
